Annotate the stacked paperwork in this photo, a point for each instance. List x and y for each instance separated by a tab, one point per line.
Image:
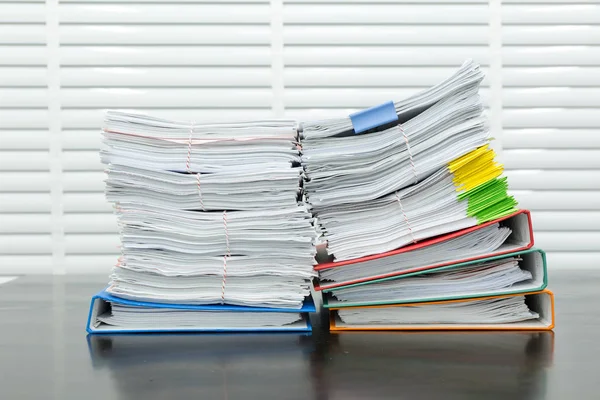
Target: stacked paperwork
502	292
209	214
429	173
488	311
482	277
467	192
129	316
480	242
405	173
219	223
242	166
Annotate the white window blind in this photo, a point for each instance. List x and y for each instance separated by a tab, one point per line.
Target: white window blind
551	119
191	60
64	62
344	55
26	243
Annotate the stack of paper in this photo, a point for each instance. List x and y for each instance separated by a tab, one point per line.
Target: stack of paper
487	311
211	219
112	314
501	236
219	223
466	193
428	174
492	276
410	187
503	292
465	81
242	166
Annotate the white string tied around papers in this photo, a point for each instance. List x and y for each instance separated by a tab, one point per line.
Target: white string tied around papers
188	165
189	152
412	162
200	191
227	254
406	219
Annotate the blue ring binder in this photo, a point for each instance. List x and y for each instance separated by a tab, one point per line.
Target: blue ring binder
103	296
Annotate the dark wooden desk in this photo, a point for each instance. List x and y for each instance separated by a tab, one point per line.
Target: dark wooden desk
46	354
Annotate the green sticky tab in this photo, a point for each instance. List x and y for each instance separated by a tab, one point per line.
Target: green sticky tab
489	200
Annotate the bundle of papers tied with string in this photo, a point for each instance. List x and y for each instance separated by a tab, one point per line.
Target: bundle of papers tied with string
420	169
210	215
241	166
467	192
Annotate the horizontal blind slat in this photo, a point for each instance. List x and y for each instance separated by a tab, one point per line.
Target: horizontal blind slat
361	56
25	264
22	33
550	76
86	202
550	159
582	55
573	260
25	223
171	77
92	118
23	76
550	139
554	179
96	243
11	244
24	160
351	98
23	98
551	97
164	13
550	35
574	241
385	35
565	221
165	35
551	14
23	55
223	98
22	12
546	117
384	77
161	55
25	181
385	13
558	200
19	202
90	223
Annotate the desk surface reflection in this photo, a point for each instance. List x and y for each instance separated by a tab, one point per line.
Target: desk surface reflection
47	355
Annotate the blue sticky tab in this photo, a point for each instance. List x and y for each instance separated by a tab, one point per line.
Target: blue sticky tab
373	117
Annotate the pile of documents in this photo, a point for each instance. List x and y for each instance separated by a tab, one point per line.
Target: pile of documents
220	223
214	235
415	169
415	214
